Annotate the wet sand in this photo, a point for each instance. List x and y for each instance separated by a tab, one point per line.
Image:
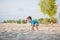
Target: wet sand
23	32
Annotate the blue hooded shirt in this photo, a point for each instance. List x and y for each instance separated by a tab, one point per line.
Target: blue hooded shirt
34	22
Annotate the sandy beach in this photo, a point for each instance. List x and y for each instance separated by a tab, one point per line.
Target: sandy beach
14	31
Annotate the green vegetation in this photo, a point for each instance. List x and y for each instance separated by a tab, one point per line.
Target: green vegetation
46	20
48	7
15	21
9	21
18	21
41	20
24	21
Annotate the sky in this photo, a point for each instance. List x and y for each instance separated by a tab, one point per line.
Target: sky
20	9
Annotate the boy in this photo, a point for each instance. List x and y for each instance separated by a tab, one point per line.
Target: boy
34	23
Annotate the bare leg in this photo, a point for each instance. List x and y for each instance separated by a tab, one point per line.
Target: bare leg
33	27
37	26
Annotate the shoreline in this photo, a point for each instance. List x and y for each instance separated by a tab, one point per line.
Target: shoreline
14	27
23	32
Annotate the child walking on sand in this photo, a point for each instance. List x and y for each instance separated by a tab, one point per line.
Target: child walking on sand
34	23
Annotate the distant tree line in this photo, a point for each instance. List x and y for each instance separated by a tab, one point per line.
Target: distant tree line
41	20
15	21
47	20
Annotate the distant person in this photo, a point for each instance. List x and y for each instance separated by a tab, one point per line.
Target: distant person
34	23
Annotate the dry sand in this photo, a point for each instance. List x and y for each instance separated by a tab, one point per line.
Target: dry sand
13	31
